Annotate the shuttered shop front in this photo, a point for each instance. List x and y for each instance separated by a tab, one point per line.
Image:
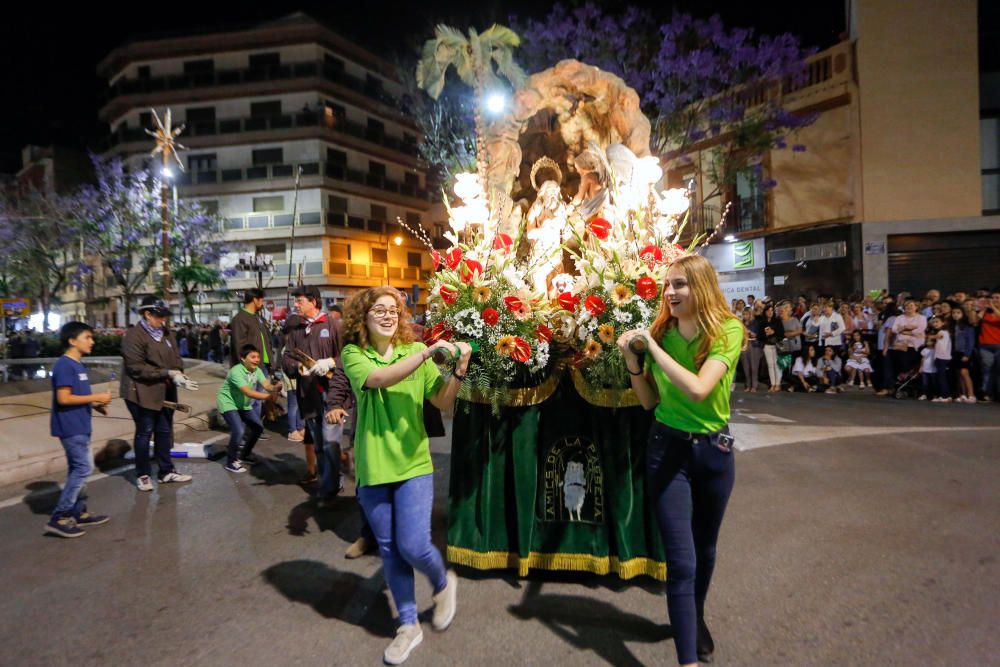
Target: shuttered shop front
950	262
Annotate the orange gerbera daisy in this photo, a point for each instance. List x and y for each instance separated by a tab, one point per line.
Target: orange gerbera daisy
506	346
482	294
620	294
592	349
606	333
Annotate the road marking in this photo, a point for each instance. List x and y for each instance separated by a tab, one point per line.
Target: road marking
758	436
11	502
763	417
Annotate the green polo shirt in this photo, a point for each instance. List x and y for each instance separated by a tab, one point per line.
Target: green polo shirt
230	397
390	441
678	411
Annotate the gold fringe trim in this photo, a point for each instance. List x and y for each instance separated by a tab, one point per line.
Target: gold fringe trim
514	398
496	560
604	398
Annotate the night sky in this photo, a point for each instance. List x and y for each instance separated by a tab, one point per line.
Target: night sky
49	52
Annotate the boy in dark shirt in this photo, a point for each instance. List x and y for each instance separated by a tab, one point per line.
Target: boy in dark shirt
71	423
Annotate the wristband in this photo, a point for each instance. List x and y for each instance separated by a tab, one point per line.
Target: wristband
639	372
458	376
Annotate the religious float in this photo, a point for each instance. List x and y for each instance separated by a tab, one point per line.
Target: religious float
560	243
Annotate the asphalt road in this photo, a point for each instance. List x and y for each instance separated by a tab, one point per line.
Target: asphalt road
861	532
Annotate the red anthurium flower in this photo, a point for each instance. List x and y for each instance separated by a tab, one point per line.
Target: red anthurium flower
646	288
438	332
448	295
470	268
651	254
543	333
522	350
490	316
600	228
568	301
436	258
595	305
453	258
513	304
503	243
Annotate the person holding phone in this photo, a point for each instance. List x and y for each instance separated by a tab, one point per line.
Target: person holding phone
989	344
692	350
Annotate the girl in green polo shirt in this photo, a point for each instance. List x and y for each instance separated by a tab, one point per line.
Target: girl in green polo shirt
692	351
391	375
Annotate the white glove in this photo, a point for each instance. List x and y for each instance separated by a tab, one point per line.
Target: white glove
185	382
322	366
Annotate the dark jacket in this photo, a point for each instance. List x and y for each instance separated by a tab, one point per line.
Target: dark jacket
246	328
777	333
316	395
145	377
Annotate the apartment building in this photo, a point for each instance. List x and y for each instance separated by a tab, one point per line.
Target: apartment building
897	188
265	104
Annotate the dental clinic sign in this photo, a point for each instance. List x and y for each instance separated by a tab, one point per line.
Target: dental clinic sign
16	307
740	265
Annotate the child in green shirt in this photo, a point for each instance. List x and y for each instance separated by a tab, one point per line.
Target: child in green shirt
235	404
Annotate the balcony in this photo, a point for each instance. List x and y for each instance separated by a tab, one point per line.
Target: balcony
236	77
311	119
749	214
309	219
333	171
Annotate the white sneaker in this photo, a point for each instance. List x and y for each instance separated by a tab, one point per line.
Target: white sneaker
174	476
144	483
408	637
922	397
445	603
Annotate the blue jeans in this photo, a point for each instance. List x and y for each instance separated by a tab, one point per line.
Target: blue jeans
942	377
148	422
295	422
689	482
327	459
240	421
400	516
988	355
79	468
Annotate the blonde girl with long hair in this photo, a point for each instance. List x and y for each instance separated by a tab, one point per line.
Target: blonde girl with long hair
692	350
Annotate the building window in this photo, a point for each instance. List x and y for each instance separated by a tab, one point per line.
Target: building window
273	249
376	169
336	204
333	63
411	179
202	162
372	83
380	256
339	158
263	156
200	115
143	72
261	60
199	66
413	259
989	137
340	251
146	120
379	213
413	219
376	128
209	206
265	109
268	204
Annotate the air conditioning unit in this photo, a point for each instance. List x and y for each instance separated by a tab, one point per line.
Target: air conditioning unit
807	253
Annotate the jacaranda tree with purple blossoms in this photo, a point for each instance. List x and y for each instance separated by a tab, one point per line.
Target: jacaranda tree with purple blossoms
196	245
700	83
36	241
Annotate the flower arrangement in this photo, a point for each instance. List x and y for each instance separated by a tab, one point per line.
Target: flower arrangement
479	294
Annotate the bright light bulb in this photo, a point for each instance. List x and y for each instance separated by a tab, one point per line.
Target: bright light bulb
398	240
496	102
729	237
168	173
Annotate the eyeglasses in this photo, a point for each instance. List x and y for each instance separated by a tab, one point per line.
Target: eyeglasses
379	312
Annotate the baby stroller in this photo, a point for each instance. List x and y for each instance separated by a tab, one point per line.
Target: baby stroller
908	384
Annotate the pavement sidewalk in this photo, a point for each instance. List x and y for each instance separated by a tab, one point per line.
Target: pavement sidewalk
27	451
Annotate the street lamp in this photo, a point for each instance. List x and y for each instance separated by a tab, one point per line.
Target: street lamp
398	240
257	263
165	136
495	103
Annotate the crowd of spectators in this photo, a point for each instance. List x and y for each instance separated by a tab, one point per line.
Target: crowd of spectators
939	349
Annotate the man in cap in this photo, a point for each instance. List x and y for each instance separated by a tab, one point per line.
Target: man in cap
248	328
153	372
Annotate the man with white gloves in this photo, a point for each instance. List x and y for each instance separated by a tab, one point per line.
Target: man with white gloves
316	335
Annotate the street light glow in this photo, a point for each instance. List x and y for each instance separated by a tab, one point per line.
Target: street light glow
398	240
496	102
168	173
729	237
